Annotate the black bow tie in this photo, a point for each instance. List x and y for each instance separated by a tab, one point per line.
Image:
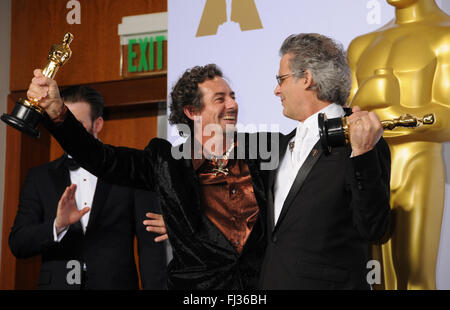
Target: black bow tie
72	164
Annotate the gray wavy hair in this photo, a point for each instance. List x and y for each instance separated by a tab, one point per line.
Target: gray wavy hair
325	59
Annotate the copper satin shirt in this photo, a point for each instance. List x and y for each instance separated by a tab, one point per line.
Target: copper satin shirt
228	200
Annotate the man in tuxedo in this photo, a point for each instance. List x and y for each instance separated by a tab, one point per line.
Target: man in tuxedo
84	227
324	206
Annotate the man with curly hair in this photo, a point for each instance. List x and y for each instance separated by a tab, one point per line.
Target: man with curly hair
212	203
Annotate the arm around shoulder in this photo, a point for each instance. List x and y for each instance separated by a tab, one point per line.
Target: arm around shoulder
152	255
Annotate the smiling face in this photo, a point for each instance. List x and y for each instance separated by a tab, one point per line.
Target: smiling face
219	105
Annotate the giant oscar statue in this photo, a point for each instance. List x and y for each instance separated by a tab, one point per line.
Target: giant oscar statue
27	114
404	67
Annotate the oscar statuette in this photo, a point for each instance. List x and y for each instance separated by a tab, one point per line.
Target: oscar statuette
334	132
27	114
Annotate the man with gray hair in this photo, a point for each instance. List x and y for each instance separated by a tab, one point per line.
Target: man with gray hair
324	206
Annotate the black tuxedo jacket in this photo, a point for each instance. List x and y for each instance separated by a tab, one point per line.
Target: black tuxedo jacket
203	258
336	206
107	246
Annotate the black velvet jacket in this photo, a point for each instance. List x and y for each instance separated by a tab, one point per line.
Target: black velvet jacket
202	256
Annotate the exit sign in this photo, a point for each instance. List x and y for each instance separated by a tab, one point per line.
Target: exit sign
143	40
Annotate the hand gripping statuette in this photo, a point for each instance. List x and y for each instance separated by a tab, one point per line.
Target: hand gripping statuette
334	132
27	114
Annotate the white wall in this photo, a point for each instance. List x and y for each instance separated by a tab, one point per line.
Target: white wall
5	30
250	58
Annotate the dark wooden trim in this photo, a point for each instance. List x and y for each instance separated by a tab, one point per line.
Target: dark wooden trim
126	92
130	91
22	153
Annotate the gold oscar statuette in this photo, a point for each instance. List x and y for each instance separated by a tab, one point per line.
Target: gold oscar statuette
27	114
403	68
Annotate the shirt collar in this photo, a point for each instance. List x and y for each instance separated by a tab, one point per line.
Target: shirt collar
311	123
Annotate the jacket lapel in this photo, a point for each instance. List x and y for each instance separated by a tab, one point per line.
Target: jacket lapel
190	182
303	172
101	194
271	179
246	147
59	175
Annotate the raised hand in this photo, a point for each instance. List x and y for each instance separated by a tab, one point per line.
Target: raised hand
46	91
68	213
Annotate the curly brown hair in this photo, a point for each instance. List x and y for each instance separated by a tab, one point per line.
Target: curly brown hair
186	92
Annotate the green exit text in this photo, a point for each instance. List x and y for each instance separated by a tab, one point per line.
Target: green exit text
146	59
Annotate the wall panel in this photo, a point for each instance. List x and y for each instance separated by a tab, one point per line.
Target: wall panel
38	24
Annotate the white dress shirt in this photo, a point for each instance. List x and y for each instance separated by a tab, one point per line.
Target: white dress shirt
84	196
305	138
